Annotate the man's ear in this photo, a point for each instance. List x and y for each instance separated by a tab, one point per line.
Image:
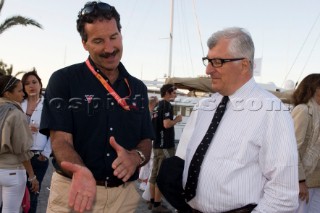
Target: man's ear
246	65
84	44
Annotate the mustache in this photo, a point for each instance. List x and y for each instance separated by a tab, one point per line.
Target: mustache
107	55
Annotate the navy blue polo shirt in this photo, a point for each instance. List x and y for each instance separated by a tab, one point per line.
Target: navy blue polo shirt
76	102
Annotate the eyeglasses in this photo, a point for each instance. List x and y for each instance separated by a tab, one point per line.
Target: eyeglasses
218	62
91	6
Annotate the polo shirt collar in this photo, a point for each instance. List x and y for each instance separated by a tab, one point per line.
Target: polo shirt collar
123	73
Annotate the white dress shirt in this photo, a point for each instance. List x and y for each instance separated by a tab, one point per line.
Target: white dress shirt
252	157
40	141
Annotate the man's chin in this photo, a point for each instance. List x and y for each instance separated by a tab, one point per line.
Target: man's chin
111	67
215	87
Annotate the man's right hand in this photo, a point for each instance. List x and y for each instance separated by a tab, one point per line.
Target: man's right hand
83	187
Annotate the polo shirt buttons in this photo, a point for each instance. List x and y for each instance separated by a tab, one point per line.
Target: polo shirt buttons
112	103
111	129
108	154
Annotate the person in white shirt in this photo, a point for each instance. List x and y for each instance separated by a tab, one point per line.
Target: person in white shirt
251	164
41	147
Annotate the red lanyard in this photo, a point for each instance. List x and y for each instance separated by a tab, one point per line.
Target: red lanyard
120	100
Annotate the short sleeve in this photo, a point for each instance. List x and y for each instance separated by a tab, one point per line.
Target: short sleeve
55	113
167	110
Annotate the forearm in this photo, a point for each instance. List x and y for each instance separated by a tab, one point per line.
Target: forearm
27	165
281	188
167	123
32	177
280	194
63	149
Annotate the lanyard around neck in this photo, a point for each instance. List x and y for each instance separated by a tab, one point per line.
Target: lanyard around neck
121	101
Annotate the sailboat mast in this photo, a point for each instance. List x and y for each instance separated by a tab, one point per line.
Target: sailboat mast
171	37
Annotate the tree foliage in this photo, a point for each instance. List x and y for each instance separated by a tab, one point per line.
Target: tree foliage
8	23
16	20
5	69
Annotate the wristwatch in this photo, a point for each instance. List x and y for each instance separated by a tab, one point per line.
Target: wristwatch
142	157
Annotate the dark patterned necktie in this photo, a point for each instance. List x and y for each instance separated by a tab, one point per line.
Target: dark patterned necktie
196	161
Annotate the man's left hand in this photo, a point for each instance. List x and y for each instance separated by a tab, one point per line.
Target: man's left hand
126	163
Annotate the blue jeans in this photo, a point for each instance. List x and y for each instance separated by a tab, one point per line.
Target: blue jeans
39	167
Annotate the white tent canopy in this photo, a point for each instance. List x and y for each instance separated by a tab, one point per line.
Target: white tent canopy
203	84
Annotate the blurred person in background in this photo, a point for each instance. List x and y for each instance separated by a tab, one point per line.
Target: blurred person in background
16	140
41	147
145	170
306	116
163	146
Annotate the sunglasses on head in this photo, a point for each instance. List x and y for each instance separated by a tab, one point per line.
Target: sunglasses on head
91	6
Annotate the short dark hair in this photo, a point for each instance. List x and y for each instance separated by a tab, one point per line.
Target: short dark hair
24	79
96	14
7	83
167	88
306	89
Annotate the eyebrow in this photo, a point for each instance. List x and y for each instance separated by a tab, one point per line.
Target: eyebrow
115	34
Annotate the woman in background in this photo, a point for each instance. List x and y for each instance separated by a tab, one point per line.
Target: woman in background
306	116
16	140
41	147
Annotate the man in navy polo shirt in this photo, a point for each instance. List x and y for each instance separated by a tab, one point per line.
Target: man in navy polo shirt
98	119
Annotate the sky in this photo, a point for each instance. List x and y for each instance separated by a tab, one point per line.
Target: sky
285	33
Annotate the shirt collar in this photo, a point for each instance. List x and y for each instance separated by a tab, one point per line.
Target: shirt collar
123	73
244	91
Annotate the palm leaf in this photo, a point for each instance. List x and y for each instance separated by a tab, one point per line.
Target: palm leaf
18	20
1	4
5	69
19	73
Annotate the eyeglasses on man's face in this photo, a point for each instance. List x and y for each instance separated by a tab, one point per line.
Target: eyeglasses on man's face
218	62
91	6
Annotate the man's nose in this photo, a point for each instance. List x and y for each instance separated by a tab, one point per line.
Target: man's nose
209	69
108	47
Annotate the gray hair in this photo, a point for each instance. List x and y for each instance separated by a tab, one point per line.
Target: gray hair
241	44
